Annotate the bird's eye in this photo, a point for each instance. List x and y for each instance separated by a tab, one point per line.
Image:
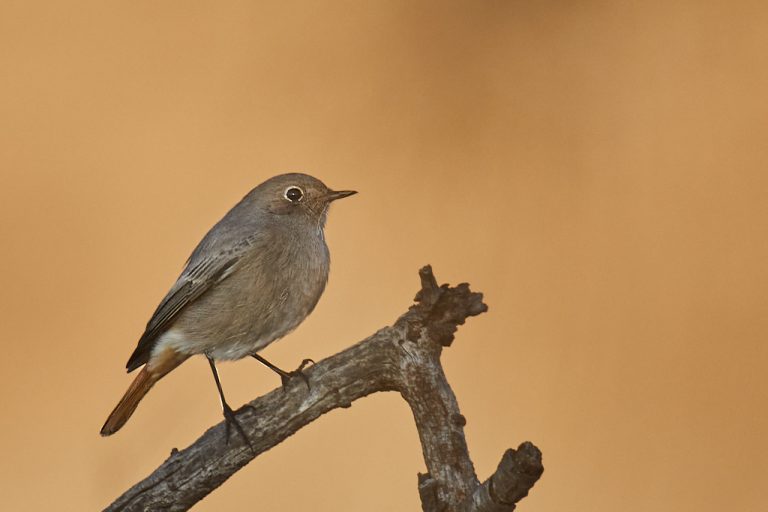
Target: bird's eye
294	194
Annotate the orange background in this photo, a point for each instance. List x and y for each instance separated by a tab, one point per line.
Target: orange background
597	169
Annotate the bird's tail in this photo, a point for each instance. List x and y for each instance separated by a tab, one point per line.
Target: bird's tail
138	388
143	382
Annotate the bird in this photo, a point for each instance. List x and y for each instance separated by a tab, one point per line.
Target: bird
252	279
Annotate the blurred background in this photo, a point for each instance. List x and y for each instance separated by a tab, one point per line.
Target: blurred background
597	169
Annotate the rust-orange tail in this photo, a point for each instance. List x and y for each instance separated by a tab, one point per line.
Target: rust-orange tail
151	373
138	388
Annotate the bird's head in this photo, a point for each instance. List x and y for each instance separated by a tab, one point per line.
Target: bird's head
298	195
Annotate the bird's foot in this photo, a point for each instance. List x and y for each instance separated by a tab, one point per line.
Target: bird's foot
285	377
230	419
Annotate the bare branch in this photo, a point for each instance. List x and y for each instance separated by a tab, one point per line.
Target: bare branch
404	357
517	472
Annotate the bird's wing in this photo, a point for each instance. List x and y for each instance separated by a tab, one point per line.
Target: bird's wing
199	276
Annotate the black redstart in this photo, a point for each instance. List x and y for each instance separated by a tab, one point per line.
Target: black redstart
252	279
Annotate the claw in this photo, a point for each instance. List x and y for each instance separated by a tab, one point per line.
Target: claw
298	372
231	419
229	414
285	377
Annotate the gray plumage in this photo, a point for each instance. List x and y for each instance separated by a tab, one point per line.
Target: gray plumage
252	279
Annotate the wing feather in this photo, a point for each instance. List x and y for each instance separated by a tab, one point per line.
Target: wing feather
194	281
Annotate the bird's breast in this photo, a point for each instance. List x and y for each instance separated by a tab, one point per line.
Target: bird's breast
269	294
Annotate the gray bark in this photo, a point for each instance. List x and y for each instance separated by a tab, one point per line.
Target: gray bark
404	357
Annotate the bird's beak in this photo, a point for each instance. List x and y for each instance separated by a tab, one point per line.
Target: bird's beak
339	194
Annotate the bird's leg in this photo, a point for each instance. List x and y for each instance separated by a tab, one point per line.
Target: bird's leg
285	376
229	414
